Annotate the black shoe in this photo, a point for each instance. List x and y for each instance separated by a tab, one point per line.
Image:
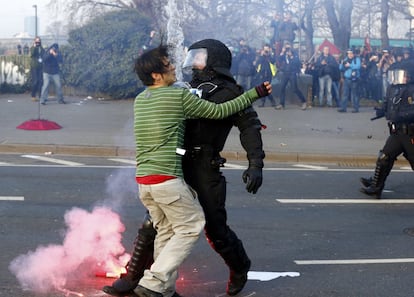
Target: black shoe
43	103
366	182
372	191
355	111
237	281
141	291
121	287
62	102
341	110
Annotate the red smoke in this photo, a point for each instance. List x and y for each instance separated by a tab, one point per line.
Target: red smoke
91	237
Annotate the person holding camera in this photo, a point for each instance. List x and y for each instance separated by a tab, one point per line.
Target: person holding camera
51	60
266	70
350	67
386	60
289	67
36	67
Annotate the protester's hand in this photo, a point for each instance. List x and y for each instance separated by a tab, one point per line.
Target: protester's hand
253	178
264	89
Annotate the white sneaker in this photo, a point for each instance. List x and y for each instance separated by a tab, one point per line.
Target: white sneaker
279	107
304	106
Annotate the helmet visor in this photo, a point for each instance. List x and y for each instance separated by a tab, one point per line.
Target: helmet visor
397	77
195	59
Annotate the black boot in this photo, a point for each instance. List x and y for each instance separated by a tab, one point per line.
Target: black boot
237	280
366	181
141	259
234	254
382	169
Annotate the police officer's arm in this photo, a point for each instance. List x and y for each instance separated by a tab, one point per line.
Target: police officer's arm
249	126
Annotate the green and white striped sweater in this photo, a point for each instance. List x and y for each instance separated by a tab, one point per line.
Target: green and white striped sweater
159	125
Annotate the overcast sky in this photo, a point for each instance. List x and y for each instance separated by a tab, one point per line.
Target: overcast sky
13	12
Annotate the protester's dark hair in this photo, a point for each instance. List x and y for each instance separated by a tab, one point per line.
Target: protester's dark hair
151	61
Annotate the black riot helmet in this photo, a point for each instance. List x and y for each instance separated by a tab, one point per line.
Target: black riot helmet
401	73
209	54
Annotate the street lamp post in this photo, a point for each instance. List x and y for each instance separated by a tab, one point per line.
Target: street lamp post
35	7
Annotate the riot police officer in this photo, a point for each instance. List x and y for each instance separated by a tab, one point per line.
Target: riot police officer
210	63
398	109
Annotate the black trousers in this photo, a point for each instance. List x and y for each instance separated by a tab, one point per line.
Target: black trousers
291	77
205	178
398	143
37	80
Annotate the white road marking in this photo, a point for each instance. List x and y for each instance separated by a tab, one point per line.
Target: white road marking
354	261
4	164
310	166
234	166
53	160
11	198
265	276
126	161
347	201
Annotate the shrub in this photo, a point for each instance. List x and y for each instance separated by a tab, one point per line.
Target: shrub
100	56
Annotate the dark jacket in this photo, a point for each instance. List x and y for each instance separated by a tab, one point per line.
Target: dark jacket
288	63
328	68
51	62
213	133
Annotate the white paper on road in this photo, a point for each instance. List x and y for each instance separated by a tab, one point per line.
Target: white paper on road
265	276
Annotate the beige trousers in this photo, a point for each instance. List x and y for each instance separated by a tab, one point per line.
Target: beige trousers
179	220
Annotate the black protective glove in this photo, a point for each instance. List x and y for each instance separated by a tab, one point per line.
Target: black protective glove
253	178
262	90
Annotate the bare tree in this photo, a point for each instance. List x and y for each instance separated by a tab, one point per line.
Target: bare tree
384	23
231	19
306	23
339	19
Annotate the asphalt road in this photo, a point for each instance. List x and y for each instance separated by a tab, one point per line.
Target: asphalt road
308	221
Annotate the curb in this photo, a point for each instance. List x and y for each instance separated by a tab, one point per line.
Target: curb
119	151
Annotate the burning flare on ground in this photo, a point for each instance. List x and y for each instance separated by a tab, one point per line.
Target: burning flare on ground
91	237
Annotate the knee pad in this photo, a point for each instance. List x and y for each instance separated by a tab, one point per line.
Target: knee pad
383	159
147	230
147	223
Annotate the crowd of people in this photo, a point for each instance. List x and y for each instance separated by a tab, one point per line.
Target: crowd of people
337	80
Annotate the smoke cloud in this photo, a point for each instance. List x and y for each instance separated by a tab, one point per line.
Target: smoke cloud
91	237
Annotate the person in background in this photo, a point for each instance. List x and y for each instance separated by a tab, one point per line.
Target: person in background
36	68
266	70
374	78
289	68
19	49
275	41
386	60
172	204
51	71
244	65
350	67
287	30
325	65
